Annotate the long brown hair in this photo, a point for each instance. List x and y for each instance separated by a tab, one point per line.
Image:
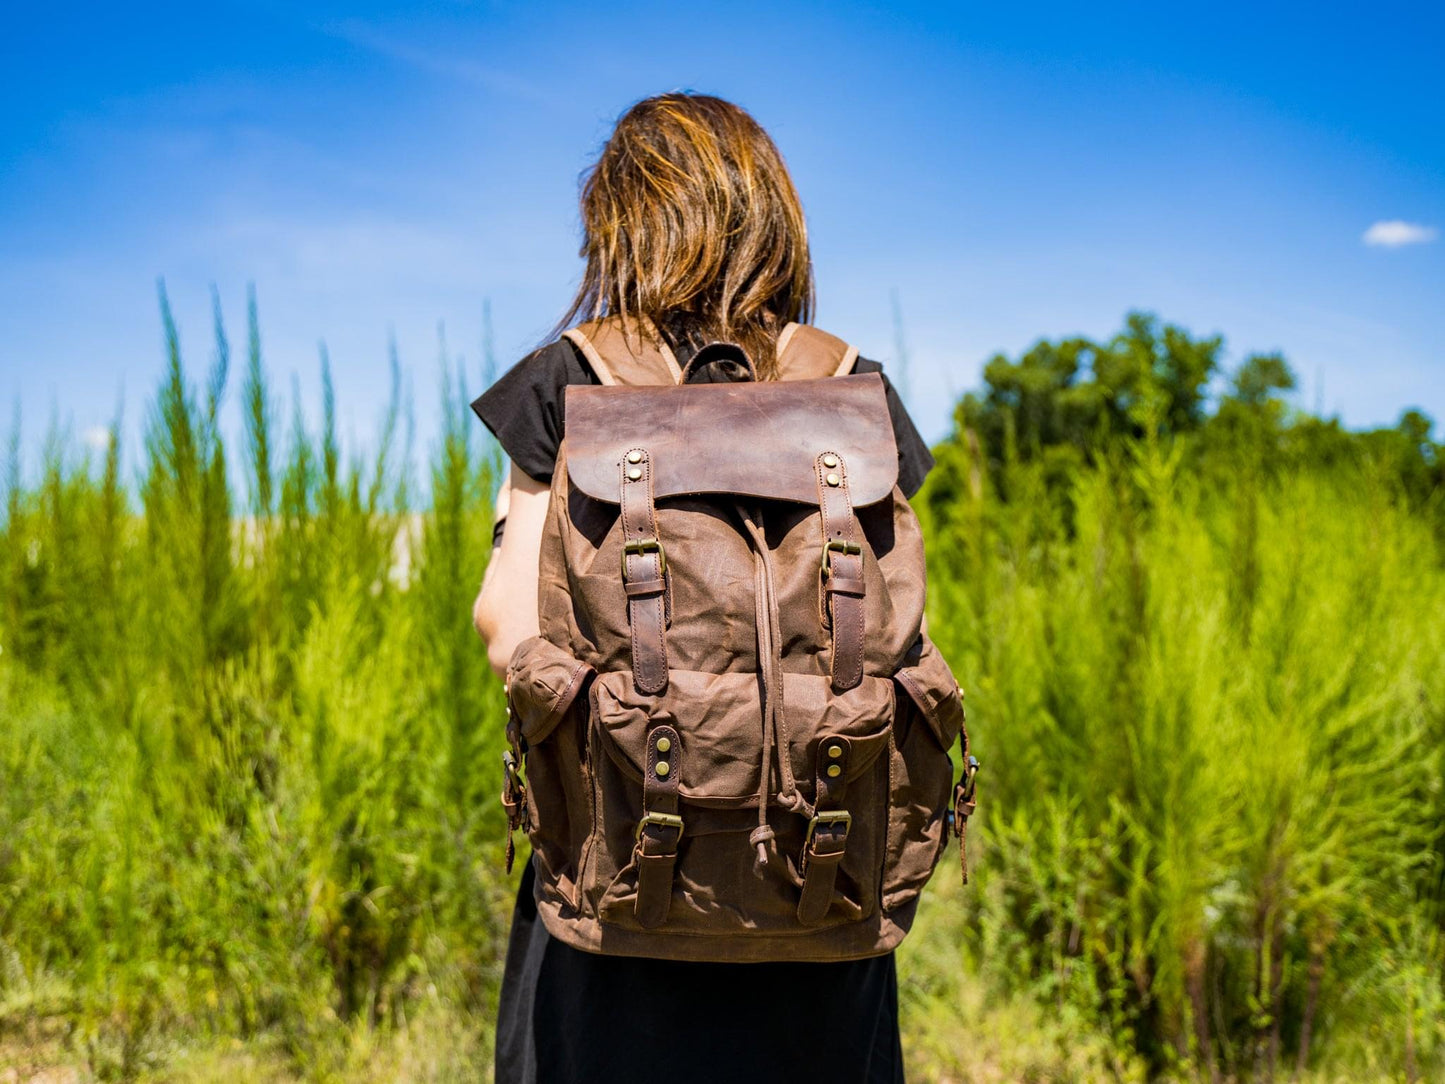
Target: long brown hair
690	219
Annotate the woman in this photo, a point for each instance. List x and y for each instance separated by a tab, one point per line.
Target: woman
690	220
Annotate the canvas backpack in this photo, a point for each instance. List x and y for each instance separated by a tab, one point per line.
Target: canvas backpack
734	728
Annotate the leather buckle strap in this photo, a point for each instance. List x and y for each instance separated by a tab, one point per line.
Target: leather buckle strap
841	584
660	830
514	791
644	573
514	787
965	801
827	836
514	804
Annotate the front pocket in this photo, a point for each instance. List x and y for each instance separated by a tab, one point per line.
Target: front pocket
930	718
545	686
719	721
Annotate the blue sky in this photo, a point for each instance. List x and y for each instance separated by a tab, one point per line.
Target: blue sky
1011	171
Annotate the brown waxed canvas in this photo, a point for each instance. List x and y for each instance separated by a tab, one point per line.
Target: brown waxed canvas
702	691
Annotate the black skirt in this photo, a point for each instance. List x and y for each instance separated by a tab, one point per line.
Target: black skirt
567	1015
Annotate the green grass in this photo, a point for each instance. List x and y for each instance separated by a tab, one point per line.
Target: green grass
249	757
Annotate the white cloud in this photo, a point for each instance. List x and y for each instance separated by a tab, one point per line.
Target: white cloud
1396	233
98	437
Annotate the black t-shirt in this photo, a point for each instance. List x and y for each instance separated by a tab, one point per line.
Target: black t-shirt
566	1015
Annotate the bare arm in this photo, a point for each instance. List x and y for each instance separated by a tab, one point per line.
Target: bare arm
505	612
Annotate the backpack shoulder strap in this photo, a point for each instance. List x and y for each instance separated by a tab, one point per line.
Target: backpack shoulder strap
625	350
806	353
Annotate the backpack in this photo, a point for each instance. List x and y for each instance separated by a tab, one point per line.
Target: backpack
735	730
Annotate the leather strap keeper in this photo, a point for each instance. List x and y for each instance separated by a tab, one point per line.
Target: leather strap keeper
645	588
827	838
660	830
644	573
841	590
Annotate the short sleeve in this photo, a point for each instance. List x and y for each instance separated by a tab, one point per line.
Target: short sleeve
524	408
914	458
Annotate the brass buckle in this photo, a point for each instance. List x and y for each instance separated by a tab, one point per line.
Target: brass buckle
836	545
662	820
641	546
828	816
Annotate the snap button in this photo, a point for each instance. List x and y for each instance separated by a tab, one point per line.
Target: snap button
635	473
830	460
634	456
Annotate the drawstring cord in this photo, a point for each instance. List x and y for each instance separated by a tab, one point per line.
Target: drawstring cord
763	833
770	667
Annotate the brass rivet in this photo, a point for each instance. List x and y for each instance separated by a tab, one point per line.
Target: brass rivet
830	460
834	771
664	744
635	473
835	751
634	456
663	767
832	479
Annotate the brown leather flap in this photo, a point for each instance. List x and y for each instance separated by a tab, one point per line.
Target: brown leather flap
755	439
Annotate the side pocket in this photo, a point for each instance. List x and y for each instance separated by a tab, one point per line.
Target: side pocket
930	719
546	687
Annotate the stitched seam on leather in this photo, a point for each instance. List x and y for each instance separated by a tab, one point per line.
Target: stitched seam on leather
648	511
642	662
856	673
835	504
824	609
